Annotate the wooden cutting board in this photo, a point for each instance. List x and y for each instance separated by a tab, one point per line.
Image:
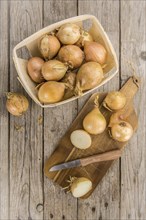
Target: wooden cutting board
65	151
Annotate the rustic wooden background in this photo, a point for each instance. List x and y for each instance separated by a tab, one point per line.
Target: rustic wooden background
24	191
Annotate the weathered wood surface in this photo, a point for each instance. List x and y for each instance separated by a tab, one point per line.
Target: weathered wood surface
24	191
57	120
4	118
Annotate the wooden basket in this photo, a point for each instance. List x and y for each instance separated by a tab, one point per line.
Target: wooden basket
31	43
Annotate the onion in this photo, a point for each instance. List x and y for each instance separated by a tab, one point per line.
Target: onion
16	104
94	122
72	55
69	33
49	46
95	52
80	139
70	80
114	101
80	186
51	92
53	70
89	76
121	131
85	36
34	66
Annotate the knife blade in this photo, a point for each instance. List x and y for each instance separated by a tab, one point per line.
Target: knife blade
111	155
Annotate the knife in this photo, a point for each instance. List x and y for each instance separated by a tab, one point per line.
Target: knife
111	155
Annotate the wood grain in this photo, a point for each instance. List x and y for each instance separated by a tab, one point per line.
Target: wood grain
104	202
57	120
133	175
111	155
26	188
4	120
122	193
65	151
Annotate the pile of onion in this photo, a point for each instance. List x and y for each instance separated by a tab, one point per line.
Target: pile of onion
65	49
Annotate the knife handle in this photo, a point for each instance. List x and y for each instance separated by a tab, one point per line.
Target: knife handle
111	155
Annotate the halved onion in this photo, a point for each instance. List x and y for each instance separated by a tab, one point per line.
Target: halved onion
80	186
80	139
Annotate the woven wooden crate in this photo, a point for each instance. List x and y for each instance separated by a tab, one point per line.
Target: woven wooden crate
31	43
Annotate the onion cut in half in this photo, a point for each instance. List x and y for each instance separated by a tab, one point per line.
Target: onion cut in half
80	139
80	186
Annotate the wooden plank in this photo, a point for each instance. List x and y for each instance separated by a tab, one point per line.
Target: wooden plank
4	121
133	163
26	181
57	204
104	202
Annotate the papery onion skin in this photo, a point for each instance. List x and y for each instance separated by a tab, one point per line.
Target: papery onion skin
94	122
70	80
51	92
34	66
68	33
85	36
114	101
89	76
122	131
71	55
78	188
17	104
95	52
54	70
49	46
